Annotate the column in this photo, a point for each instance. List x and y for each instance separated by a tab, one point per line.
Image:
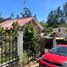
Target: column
20	43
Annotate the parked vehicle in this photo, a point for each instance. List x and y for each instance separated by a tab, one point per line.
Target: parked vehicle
55	57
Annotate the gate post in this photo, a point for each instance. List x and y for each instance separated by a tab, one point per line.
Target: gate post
54	41
20	43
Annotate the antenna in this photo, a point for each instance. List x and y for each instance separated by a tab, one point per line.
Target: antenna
24	3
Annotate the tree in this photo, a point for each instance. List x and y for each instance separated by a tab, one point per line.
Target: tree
26	13
30	39
11	15
35	16
55	17
51	19
47	29
60	15
17	16
1	18
65	11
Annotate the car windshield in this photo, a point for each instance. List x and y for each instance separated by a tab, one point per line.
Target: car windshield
60	50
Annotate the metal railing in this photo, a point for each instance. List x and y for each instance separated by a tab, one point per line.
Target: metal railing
8	48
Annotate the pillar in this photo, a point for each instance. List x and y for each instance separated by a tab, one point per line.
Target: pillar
54	42
20	43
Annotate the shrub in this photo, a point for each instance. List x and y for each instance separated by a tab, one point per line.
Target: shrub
24	58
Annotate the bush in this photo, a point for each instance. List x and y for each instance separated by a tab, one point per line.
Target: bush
24	58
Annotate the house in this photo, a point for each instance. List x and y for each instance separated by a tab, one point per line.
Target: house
58	36
22	22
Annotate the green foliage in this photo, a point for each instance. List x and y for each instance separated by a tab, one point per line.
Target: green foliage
55	17
15	25
47	28
12	31
65	9
24	58
30	39
63	25
8	38
15	28
58	16
11	15
1	29
1	19
26	13
44	24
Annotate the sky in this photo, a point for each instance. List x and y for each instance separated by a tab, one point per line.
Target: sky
39	7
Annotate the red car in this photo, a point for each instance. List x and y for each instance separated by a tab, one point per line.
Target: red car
55	57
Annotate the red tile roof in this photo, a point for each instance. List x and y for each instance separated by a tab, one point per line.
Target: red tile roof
22	21
56	34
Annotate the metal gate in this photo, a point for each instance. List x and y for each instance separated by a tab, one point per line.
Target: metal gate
8	48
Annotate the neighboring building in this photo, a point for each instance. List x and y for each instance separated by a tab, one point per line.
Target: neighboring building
58	33
61	31
59	36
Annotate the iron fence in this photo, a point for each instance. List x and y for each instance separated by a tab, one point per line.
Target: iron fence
8	49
